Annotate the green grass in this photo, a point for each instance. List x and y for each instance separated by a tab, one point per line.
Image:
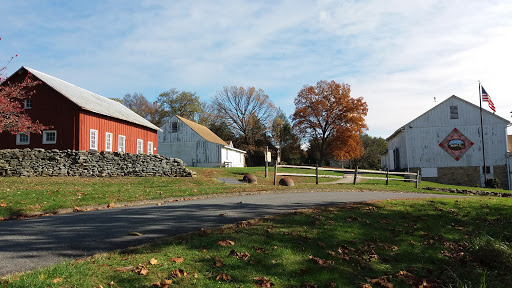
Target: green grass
19	195
445	242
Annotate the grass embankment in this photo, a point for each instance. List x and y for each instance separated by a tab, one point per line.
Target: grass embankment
39	194
435	243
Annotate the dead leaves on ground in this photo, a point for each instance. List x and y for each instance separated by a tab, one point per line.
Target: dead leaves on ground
263	282
176	259
242	256
223	277
225	243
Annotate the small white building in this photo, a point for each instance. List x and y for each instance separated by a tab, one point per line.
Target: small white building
197	145
445	144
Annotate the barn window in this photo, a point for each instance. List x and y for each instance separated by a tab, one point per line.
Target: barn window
50	137
121	143
108	141
140	146
93	143
174	127
454	112
22	139
28	103
150	147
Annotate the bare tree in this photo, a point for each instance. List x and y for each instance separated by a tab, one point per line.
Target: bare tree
244	110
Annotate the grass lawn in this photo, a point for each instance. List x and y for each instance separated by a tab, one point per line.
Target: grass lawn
408	243
20	195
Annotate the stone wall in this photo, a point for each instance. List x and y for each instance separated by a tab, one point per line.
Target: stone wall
40	162
465	176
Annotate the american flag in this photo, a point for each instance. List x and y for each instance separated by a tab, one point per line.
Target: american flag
487	98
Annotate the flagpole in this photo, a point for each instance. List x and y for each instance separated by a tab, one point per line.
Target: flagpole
482	130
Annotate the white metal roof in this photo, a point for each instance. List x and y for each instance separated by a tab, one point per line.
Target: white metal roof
90	101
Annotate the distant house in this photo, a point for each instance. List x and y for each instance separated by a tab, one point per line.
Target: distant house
80	120
445	144
197	145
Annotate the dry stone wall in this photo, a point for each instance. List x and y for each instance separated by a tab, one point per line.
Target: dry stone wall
40	162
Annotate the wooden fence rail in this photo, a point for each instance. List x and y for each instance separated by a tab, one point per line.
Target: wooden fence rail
356	172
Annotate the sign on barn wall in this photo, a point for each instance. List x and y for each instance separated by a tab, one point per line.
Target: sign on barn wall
456	144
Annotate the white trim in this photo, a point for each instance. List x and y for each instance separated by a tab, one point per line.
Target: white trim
27	104
121	139
150	148
234	149
93	141
108	144
140	146
18	140
45	135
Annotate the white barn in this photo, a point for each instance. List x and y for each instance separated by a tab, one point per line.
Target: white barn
197	145
445	144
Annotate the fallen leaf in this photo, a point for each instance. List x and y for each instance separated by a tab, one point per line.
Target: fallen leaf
176	259
204	232
218	262
57	280
153	261
243	256
159	204
260	250
223	277
263	282
111	283
162	284
110	205
242	224
135	234
124	269
178	273
3	205
141	270
226	242
222	214
382	281
321	262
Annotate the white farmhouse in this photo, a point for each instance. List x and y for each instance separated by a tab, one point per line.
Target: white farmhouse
197	145
445	144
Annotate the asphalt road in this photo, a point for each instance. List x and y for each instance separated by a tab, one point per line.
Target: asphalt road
29	244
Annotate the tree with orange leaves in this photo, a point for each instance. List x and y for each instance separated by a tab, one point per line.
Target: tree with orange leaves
331	120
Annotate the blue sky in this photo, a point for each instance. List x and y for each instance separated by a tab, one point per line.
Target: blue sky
398	55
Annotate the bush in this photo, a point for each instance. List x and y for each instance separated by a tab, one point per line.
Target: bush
492	183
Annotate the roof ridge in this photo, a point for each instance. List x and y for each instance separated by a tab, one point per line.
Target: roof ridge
90	101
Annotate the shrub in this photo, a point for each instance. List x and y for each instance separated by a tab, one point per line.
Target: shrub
492	183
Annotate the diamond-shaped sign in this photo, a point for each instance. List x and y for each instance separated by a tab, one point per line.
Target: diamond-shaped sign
456	144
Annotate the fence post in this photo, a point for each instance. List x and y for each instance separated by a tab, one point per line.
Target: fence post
387	176
418	179
355	176
275	173
266	163
316	173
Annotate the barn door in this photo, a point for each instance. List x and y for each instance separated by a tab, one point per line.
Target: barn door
201	152
396	158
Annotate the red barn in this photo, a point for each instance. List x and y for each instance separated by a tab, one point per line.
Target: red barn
80	120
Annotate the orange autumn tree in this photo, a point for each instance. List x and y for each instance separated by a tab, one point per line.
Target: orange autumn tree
331	120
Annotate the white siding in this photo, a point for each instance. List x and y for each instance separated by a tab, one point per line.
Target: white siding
426	132
418	141
188	146
232	157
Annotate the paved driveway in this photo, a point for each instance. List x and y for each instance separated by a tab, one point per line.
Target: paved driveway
39	242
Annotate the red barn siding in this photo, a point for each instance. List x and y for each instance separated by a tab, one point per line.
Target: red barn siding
73	124
104	124
51	109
